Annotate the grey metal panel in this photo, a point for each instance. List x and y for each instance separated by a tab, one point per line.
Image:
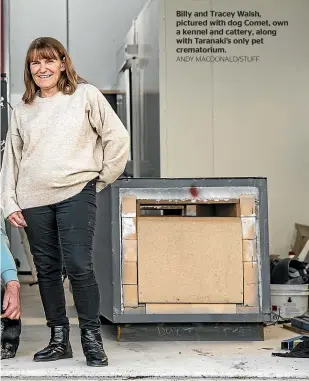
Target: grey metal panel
147	26
102	252
152	131
264	251
187	332
185	182
136	119
116	252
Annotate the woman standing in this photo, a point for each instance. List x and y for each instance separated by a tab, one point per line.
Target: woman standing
64	144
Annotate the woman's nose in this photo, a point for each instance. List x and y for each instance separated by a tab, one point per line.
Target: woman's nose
42	68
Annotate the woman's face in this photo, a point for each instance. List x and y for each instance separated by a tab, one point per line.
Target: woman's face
46	72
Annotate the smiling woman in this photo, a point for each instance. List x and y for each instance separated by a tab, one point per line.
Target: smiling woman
48	69
64	144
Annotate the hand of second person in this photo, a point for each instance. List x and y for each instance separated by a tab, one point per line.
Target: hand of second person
17	220
11	301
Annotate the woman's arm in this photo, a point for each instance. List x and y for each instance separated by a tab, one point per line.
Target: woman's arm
10	166
115	137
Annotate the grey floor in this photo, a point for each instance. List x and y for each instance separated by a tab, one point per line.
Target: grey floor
129	360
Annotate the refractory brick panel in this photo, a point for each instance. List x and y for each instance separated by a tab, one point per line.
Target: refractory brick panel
129	250
190	260
188	308
128	228
129	273
128	206
130	295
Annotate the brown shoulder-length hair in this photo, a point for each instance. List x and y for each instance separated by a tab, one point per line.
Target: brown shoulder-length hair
49	48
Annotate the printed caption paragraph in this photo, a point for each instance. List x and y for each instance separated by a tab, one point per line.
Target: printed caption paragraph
206	36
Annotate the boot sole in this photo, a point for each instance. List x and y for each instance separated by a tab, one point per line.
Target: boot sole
97	365
62	357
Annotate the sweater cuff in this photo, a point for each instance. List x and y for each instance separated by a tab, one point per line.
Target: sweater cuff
9	209
100	186
9	275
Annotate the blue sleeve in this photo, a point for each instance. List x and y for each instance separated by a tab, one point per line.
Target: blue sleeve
8	266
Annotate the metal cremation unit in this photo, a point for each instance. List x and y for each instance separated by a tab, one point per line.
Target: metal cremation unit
184	251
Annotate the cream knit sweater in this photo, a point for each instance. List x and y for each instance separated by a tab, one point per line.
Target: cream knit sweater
56	145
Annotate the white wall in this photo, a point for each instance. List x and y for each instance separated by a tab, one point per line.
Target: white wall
245	119
261	117
28	20
186	130
95	31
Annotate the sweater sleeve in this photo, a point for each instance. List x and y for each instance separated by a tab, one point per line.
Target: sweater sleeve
10	166
114	136
8	267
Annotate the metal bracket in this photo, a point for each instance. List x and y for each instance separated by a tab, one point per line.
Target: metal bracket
131	49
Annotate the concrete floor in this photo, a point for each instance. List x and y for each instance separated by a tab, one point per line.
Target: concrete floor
167	360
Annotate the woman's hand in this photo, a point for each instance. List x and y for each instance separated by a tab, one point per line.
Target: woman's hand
17	220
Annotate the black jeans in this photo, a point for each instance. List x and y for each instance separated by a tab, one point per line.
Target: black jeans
63	232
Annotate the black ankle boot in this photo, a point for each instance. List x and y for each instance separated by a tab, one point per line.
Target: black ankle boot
59	346
93	347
